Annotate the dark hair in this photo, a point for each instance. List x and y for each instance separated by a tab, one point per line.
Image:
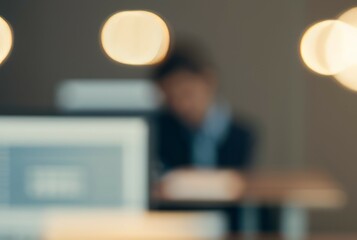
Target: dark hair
187	57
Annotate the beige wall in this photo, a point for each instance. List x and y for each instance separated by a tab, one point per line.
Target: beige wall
303	119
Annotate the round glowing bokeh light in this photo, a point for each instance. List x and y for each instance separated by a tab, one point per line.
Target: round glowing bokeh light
328	47
341	47
313	44
348	77
6	40
135	38
349	17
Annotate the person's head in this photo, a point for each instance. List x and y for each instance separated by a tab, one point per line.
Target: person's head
187	83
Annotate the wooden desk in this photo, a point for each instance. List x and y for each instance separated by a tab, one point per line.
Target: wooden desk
295	192
307	189
120	225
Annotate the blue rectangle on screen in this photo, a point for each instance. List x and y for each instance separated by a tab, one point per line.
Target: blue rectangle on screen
46	176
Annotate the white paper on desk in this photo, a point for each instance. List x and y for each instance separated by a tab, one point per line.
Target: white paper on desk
202	185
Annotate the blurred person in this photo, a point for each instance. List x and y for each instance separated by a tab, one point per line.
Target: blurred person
195	127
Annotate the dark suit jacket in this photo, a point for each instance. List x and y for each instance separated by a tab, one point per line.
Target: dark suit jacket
175	143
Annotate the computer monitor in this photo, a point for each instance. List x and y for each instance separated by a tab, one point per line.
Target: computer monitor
73	161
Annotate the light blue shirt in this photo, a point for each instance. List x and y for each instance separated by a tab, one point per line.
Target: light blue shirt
207	139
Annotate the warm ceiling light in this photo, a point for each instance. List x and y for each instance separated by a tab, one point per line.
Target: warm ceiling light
135	38
5	40
348	77
349	17
341	47
329	47
312	47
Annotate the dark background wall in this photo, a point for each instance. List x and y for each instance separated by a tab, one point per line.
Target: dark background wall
304	120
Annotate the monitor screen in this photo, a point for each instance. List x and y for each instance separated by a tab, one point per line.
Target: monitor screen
54	161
